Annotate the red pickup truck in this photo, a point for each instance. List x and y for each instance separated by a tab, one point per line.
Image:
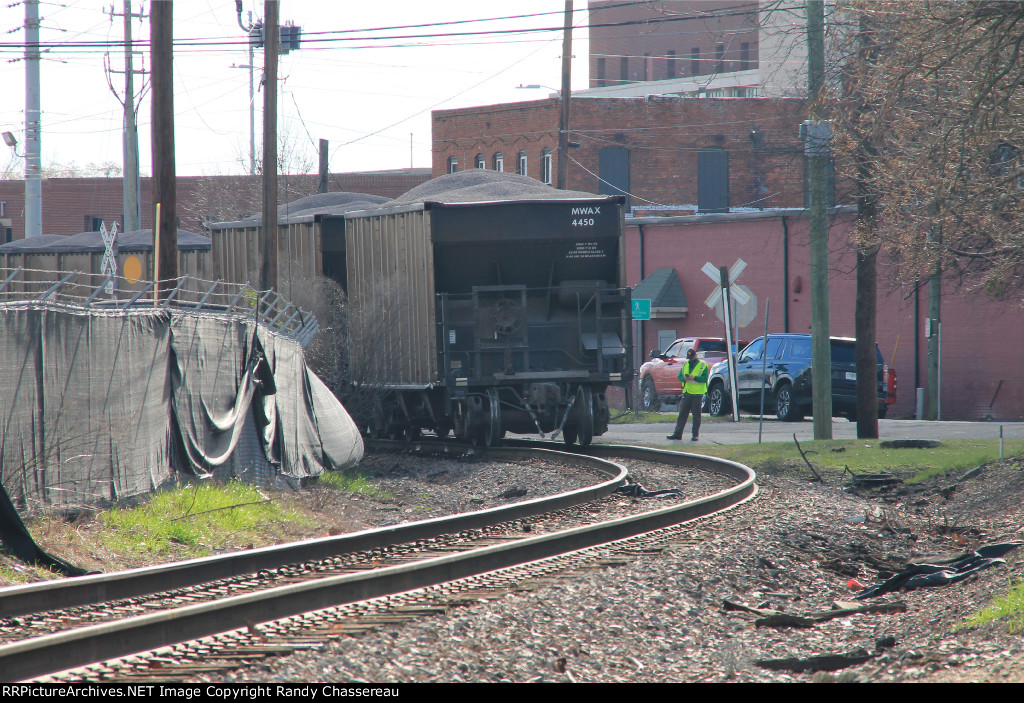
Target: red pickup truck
659	377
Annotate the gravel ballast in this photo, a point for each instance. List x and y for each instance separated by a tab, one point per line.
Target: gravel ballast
661	618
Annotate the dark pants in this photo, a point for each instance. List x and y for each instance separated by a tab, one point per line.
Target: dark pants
687	404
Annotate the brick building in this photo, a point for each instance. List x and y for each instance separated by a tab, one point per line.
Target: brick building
73	205
979	333
666	153
632	42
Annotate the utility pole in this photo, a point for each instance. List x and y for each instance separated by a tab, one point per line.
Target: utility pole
324	167
33	124
164	185
130	175
253	41
268	271
816	147
566	95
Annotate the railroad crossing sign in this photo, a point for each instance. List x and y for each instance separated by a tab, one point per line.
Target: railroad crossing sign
742	301
641	308
109	265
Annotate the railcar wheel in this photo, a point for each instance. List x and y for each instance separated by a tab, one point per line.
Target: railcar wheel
492	430
569	435
585	423
649	399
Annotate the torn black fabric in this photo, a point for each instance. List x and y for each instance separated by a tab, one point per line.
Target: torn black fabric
18	541
942	573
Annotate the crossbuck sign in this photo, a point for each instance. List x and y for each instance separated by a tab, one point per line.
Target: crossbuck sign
109	265
742	300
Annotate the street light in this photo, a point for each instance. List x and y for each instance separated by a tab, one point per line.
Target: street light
11	141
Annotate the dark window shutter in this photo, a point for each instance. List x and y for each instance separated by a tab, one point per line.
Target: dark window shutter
713	181
613	168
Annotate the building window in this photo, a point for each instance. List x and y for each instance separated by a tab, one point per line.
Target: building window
670	65
719	58
624	69
545	165
521	164
647	66
481	162
600	73
92	224
744	56
499	162
695	61
453	164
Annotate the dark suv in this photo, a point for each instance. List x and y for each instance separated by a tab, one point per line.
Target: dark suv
786	378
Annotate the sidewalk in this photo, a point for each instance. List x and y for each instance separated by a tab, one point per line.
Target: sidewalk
724	431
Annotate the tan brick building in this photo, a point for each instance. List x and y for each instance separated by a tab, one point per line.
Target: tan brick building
631	41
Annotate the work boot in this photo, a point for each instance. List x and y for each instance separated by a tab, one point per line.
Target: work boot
674	436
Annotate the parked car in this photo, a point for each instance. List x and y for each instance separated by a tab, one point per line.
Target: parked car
785	376
659	378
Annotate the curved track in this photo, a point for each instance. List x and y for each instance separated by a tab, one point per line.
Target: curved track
34	657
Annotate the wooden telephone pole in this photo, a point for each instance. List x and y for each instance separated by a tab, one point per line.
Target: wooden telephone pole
164	176
816	148
268	272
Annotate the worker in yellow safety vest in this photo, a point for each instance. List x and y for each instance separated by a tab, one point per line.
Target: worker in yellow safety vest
694	378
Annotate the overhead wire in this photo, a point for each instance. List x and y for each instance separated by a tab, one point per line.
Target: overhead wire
184	44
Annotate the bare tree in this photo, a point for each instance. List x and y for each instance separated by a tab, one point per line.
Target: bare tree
945	122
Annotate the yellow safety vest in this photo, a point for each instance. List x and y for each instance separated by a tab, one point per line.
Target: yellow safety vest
693	387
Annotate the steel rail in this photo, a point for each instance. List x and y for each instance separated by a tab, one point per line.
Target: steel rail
51	653
83	590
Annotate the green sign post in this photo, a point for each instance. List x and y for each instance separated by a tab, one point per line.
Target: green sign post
641	308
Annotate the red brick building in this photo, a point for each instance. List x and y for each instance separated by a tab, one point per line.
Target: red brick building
666	153
73	205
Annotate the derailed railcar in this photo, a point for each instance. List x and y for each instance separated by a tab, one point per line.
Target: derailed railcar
490	317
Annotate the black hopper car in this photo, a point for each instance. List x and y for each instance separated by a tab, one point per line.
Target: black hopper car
482	318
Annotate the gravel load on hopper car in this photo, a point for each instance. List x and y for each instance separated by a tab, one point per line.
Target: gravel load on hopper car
337	203
479	185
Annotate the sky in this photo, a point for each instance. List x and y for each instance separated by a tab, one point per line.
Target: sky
370	93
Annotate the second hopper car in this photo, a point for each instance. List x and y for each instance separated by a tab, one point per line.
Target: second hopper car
482	318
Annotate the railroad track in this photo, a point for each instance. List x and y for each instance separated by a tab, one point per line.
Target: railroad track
356	569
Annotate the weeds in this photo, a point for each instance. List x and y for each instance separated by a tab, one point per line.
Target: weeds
1009	607
200	517
351	482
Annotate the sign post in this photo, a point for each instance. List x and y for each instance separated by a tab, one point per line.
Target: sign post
641	312
730	294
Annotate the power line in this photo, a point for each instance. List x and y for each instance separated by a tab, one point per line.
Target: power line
339	36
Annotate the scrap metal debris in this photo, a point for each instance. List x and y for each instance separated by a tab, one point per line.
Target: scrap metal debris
637	491
942	573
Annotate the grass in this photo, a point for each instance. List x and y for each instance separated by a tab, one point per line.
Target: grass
351	482
867	456
1009	607
202	518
